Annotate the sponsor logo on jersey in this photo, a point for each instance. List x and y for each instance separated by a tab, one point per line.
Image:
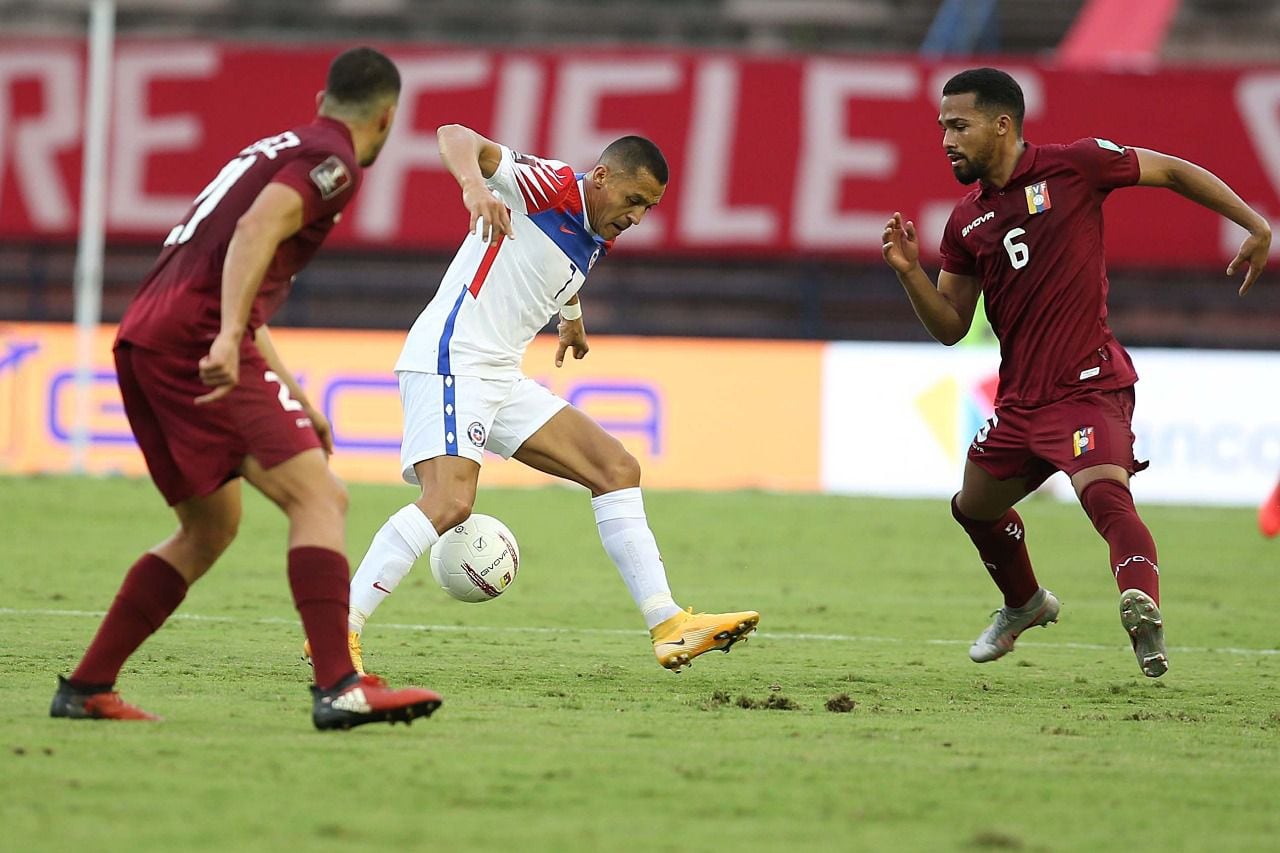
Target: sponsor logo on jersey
986	217
1038	197
595	256
1109	145
475	432
331	177
1082	442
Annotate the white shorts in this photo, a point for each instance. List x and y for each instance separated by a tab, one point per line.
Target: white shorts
465	416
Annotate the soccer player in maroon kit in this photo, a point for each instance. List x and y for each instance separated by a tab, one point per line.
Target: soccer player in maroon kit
210	401
1029	236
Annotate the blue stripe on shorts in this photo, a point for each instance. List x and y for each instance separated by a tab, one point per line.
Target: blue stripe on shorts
450	417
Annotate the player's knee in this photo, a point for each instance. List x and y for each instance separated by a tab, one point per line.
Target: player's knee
328	496
622	472
208	539
339	496
451	512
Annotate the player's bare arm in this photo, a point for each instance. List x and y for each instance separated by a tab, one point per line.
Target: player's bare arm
573	335
946	310
266	346
275	216
471	158
1207	189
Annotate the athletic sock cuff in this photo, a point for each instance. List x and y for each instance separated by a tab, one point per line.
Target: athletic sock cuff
976	524
624	503
1102	487
415	528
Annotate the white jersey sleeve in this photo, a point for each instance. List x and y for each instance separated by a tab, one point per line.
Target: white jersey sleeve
495	297
530	184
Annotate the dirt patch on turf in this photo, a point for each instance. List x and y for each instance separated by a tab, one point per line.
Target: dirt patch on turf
772	702
841	704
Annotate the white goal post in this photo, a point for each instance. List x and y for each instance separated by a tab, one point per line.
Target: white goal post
90	249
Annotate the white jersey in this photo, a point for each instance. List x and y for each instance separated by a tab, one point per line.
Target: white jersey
495	297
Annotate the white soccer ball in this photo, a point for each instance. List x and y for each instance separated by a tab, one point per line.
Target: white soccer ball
477	560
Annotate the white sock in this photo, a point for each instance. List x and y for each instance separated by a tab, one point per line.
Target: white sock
627	539
406	536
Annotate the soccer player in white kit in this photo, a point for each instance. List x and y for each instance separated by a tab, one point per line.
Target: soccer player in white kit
537	229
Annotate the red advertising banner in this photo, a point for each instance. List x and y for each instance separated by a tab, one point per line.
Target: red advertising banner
769	155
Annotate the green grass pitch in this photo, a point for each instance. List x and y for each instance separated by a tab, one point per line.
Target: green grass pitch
560	733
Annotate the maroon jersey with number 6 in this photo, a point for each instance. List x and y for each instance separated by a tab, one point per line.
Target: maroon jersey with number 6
1036	245
179	307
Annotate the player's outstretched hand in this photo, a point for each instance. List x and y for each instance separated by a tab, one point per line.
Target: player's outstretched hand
1253	251
220	369
487	212
573	334
901	247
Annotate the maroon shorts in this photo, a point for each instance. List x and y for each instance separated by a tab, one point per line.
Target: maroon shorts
1033	442
191	450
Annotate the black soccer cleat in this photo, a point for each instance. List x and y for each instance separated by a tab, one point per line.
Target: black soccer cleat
360	699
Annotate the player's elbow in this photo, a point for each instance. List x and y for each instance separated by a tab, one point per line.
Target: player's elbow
445	131
948	334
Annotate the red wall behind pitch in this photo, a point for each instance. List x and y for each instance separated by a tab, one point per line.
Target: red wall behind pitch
769	156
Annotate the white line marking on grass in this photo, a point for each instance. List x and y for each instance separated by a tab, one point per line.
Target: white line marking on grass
620	632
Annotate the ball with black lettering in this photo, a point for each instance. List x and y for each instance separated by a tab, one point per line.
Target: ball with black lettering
477	560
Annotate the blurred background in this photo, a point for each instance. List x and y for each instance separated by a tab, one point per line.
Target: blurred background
754	286
794	128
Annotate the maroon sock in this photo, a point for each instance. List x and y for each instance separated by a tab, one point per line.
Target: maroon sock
151	591
1109	505
320	580
1002	546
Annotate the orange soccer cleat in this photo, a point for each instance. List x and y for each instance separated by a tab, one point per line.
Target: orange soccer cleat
360	699
76	704
683	637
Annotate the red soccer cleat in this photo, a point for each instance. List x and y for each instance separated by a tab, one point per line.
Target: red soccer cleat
1269	515
360	699
94	705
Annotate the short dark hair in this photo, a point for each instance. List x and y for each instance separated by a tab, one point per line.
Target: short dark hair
632	154
361	76
992	89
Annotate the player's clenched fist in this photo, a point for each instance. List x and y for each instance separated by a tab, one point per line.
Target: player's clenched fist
220	369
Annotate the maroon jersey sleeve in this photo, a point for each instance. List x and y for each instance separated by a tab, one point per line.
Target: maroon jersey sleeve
1102	162
957	258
